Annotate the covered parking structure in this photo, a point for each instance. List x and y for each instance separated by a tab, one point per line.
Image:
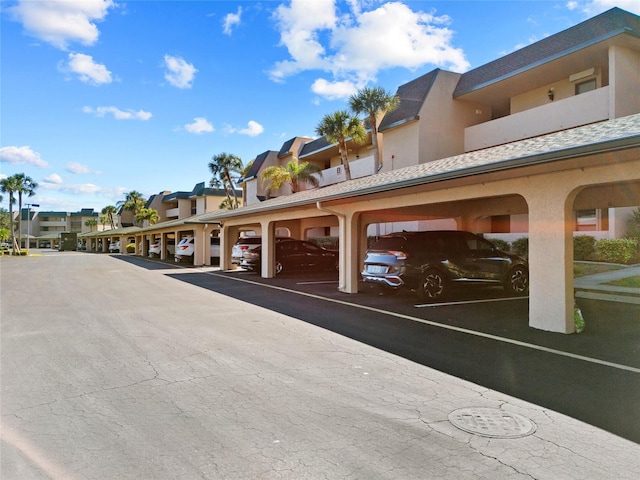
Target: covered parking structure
171	232
100	241
545	178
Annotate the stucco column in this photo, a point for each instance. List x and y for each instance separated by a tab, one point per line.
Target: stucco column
268	255
200	248
228	237
551	298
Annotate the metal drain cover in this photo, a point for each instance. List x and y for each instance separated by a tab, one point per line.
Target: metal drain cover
492	422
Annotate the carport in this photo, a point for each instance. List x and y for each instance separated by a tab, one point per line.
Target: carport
547	178
172	231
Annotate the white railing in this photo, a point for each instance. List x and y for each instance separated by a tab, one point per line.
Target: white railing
570	112
361	167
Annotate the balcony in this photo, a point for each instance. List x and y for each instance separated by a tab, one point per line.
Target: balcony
173	213
362	167
562	114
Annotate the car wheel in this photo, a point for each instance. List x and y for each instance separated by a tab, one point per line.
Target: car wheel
279	267
517	281
433	286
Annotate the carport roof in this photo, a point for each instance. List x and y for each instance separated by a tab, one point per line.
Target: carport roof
111	233
600	137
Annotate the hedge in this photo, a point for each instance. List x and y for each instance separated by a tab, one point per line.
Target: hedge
616	250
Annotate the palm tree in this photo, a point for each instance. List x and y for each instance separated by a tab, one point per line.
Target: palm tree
23	185
110	211
9	185
134	202
293	173
148	214
92	222
374	102
226	204
226	169
339	126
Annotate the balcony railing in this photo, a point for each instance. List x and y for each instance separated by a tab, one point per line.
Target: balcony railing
173	212
570	112
362	167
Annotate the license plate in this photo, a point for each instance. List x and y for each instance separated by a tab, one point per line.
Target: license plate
376	269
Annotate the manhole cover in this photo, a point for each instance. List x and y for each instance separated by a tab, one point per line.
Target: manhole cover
492	422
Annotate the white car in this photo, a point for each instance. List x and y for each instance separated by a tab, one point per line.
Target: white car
184	249
155	249
114	247
244	244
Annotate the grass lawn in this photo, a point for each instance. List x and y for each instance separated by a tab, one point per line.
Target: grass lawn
629	282
582	269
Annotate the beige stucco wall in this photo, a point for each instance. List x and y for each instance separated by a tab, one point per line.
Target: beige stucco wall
400	147
624	71
443	120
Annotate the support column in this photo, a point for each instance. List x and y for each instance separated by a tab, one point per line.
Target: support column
200	248
350	246
551	298
268	256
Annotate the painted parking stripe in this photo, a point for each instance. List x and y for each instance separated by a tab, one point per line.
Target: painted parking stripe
440	325
466	302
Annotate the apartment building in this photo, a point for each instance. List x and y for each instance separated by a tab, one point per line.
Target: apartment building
586	74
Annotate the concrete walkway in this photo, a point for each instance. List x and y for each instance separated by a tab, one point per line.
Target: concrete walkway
596	286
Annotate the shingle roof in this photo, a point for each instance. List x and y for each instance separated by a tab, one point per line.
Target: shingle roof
314	146
619	133
257	165
597	29
286	148
412	96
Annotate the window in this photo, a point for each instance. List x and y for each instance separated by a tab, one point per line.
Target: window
587	86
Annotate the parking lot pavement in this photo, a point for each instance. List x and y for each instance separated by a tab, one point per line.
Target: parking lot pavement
121	369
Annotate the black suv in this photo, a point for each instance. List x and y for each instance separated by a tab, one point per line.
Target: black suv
432	262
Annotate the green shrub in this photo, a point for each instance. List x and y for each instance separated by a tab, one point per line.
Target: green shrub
584	247
326	242
521	246
500	244
616	250
131	248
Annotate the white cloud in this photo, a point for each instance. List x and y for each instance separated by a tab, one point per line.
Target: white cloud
79	169
87	69
72	188
354	46
199	125
62	22
117	113
253	129
333	90
231	20
21	156
180	73
53	178
594	7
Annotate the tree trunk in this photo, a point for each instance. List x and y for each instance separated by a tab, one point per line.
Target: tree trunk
342	147
374	141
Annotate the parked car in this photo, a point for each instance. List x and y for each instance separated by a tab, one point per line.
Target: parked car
246	243
431	263
155	249
184	249
114	247
293	255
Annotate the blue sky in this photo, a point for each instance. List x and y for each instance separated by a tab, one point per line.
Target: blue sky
101	97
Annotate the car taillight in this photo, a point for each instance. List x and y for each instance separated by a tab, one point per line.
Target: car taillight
184	247
400	255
